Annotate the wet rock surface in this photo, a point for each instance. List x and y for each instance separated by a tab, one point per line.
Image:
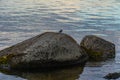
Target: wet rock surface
97	48
49	49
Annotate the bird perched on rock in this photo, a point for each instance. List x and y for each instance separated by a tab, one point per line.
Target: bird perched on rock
60	31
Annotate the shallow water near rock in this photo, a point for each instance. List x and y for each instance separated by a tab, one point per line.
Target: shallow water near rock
22	19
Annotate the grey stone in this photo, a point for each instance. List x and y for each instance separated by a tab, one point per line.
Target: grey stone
97	48
49	49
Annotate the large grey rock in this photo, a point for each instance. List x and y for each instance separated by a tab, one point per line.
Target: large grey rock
98	48
49	49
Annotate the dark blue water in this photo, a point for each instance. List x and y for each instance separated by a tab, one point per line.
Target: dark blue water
22	19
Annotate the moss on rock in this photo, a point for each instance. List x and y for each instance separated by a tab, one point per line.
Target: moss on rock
5	59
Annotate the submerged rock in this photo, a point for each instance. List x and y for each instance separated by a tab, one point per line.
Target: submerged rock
97	48
49	49
115	75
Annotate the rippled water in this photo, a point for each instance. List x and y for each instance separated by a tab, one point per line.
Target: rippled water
22	19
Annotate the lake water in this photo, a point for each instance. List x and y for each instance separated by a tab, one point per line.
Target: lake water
22	19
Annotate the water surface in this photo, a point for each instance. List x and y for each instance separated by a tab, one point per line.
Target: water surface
22	19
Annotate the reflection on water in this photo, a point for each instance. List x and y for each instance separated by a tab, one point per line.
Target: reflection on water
22	19
64	74
57	74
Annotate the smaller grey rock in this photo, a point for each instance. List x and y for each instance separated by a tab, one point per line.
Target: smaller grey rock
97	48
115	75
